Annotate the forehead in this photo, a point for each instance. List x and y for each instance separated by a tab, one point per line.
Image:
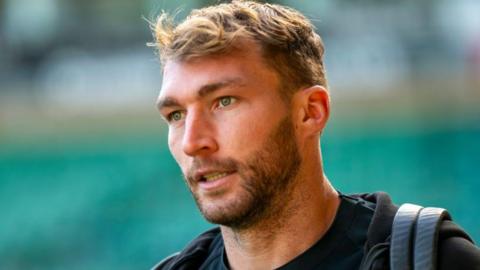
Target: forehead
247	67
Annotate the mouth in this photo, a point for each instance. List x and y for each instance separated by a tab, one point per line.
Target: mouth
210	177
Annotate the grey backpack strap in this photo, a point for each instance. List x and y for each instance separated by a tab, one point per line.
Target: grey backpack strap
426	237
402	236
415	237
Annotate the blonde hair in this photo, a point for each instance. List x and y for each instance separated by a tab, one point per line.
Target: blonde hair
287	38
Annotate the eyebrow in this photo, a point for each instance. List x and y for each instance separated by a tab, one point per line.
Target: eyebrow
204	91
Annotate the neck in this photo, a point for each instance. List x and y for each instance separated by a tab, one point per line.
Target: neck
304	217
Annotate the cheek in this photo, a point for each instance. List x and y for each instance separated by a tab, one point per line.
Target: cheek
244	132
174	145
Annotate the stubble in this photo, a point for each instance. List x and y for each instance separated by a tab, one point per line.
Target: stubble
267	179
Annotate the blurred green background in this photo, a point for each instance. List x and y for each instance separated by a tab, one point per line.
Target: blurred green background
86	179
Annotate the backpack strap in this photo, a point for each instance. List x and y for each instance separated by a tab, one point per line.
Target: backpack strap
426	237
415	237
401	241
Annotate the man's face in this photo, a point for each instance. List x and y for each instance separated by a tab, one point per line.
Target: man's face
231	134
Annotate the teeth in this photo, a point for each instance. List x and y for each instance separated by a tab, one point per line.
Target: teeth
214	176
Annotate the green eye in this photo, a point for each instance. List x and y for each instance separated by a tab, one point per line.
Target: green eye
225	101
175	116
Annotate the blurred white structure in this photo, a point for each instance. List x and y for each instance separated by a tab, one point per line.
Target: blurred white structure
73	80
30	23
90	56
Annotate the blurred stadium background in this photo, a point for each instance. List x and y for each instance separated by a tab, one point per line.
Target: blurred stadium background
86	180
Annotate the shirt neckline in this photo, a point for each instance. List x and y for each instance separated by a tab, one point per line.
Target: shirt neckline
335	235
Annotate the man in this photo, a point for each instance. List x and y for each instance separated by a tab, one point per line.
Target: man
245	97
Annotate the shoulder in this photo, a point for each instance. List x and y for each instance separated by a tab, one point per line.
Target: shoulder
166	263
384	211
193	255
455	249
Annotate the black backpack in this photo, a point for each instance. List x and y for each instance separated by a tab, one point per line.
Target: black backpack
413	242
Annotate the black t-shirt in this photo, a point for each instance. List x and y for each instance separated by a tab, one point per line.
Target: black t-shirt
340	248
363	222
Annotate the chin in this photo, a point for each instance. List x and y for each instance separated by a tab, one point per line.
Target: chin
231	212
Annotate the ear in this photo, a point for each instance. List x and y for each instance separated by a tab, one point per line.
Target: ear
313	110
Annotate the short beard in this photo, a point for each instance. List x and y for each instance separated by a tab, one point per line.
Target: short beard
268	178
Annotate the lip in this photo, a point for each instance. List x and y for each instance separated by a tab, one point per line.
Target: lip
200	173
212	185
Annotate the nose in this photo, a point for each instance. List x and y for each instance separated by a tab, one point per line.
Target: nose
198	137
